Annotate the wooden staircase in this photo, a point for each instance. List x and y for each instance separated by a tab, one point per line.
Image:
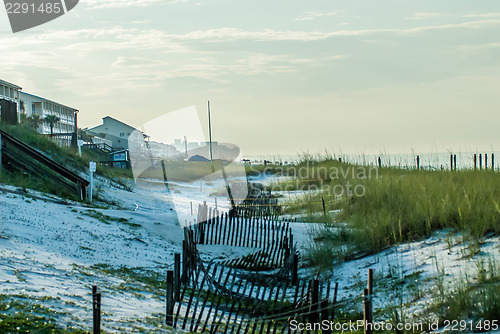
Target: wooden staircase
14	154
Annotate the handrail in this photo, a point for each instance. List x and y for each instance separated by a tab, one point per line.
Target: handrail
40	157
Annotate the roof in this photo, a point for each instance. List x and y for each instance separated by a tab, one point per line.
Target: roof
3	82
47	100
119	151
118	121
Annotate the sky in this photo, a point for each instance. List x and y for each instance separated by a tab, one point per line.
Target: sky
282	77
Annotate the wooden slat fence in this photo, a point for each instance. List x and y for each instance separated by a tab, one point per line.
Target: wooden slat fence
229	300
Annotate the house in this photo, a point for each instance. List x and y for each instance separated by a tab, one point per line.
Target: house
64	129
9	102
117	132
14	103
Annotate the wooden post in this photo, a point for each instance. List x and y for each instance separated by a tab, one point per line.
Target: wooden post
313	308
379	162
492	161
201	228
205	211
335	299
170	298
367	312
185	260
165	180
370	295
451	161
286	247
177	276
1	153
370	281
486	161
475	161
455	161
324	315
96	310
295	268
418	162
480	161
324	207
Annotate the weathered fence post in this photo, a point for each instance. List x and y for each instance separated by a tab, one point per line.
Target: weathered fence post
324	315
379	162
367	312
295	268
177	276
451	161
286	246
418	162
492	161
96	310
480	161
324	207
370	296
335	299
185	259
486	161
170	298
313	308
1	153
370	281
455	161
475	161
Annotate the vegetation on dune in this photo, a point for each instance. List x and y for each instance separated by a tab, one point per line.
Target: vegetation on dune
475	297
392	205
65	156
402	206
21	316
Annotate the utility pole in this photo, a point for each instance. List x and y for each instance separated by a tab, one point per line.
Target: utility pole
210	137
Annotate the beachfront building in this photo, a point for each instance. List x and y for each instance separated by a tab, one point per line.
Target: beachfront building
117	132
63	130
9	102
162	150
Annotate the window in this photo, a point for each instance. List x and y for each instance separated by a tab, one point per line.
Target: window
122	134
33	108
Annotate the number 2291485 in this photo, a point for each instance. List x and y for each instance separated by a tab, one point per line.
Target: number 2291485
24	8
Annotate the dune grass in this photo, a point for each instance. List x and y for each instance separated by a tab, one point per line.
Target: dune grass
389	205
65	156
475	296
401	206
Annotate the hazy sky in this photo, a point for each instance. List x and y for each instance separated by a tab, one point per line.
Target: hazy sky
282	76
